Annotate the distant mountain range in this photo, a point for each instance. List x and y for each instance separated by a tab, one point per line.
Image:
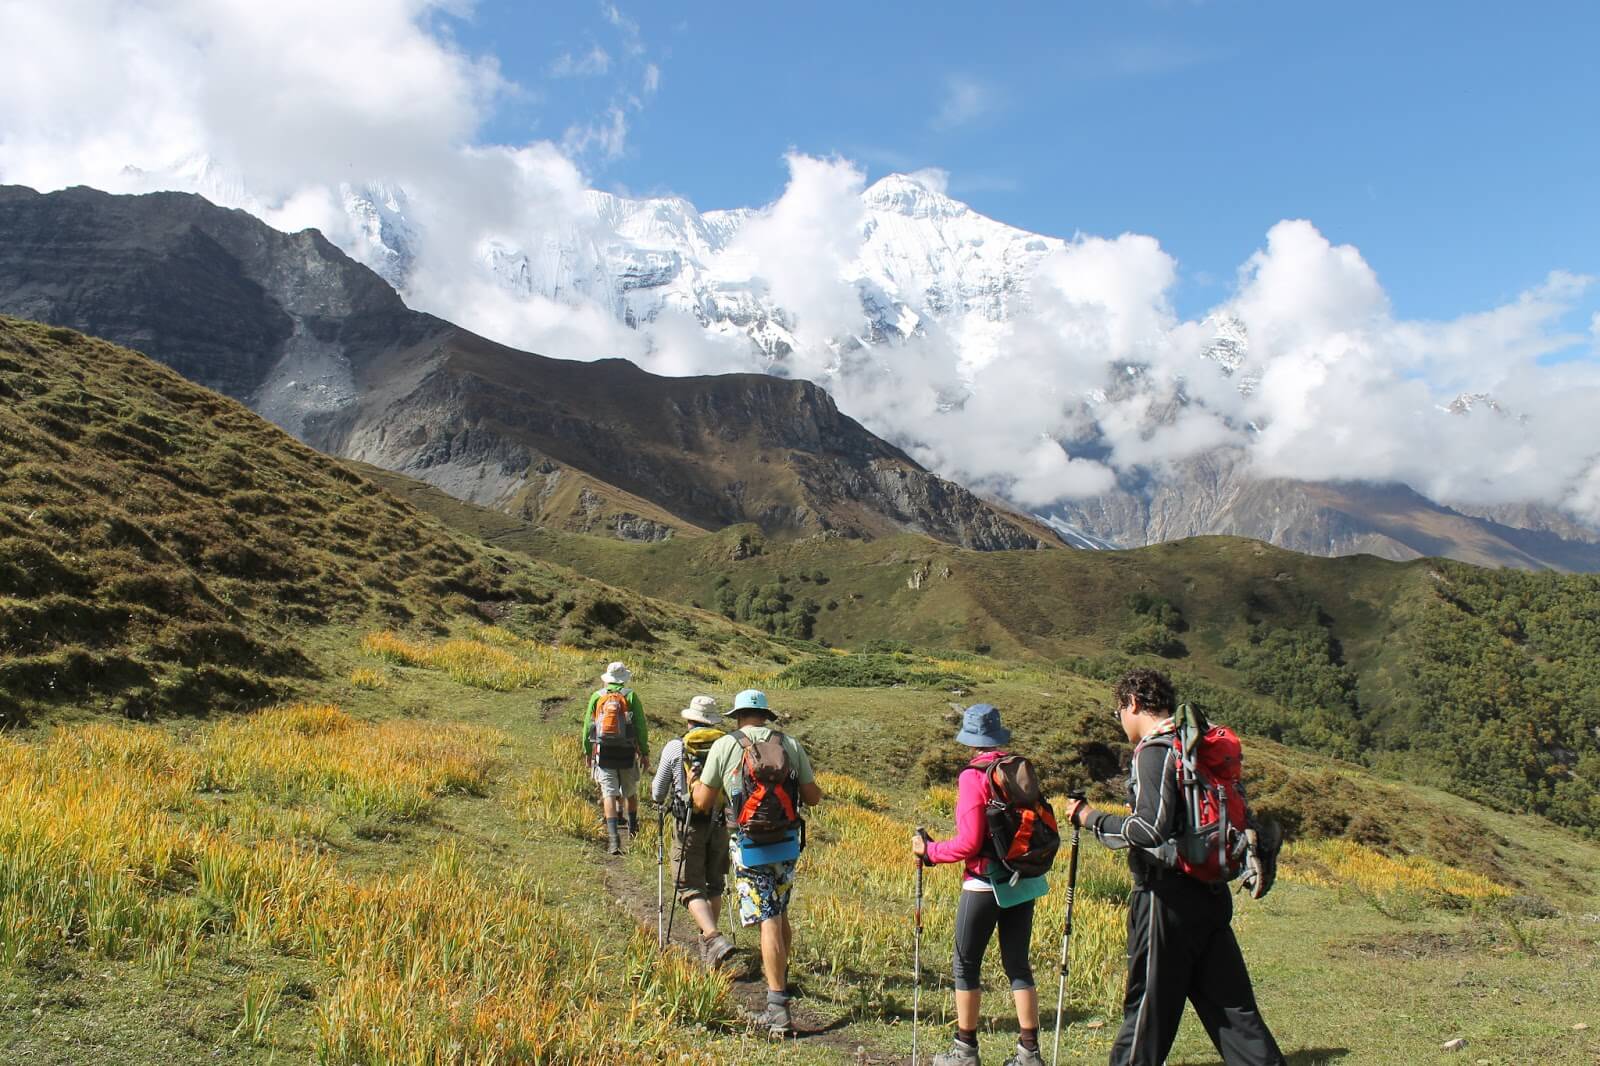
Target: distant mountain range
930	264
322	346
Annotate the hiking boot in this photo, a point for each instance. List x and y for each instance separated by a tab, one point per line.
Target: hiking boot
613	842
633	825
775	1019
1023	1057
715	950
960	1054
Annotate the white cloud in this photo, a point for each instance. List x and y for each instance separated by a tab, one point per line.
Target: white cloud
629	28
609	136
290	94
800	248
591	64
966	99
652	78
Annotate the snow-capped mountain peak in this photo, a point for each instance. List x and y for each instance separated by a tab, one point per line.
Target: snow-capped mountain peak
914	197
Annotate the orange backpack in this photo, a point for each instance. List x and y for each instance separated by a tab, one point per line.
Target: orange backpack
615	746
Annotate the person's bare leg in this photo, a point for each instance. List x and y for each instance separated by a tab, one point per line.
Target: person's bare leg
967	1001
1027	1007
704	915
775	953
609	805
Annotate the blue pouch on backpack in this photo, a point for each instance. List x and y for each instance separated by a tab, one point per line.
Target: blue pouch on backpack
753	854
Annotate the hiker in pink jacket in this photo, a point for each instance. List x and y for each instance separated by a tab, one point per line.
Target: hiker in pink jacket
979	914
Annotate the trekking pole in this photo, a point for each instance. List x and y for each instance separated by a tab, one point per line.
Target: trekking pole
916	951
1066	933
677	878
661	862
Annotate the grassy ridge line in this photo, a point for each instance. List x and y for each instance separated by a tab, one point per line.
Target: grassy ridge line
163	550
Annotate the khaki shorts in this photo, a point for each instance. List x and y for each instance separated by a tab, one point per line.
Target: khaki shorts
616	783
703	851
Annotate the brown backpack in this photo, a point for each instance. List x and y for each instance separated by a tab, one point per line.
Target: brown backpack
769	807
1023	837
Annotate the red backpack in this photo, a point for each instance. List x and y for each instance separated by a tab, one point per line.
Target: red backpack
1211	844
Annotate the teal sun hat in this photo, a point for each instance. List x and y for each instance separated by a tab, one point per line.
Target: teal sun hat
981	728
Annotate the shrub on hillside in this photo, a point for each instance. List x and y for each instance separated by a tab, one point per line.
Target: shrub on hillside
868	671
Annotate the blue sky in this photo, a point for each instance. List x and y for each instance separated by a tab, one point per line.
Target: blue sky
1454	144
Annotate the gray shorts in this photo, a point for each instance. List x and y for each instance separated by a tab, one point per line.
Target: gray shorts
619	782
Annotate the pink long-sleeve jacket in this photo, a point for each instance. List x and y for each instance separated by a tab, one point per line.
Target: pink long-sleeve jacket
972	795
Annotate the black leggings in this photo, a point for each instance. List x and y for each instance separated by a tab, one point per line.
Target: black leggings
976	917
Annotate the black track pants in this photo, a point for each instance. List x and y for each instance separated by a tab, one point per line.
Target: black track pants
1180	946
977	916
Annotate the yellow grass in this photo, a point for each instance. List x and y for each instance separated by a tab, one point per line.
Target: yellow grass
854	900
841	788
362	677
741	678
468	662
1344	863
389	769
105	847
558	794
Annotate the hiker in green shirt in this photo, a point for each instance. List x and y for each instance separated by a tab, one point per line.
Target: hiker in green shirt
765	776
617	746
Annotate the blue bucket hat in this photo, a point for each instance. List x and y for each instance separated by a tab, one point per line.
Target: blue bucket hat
752	699
981	728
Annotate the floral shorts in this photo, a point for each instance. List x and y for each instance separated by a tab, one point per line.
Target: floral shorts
763	891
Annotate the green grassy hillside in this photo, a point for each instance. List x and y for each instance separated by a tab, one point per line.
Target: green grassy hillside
388	852
1485	682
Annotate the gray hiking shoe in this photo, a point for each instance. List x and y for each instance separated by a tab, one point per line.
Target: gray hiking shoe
959	1055
1023	1057
775	1019
613	844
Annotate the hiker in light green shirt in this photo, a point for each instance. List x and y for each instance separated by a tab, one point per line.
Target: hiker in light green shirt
764	888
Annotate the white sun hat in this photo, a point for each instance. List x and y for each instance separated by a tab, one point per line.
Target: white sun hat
702	709
616	674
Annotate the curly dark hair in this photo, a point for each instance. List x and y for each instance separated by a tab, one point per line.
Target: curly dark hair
1152	688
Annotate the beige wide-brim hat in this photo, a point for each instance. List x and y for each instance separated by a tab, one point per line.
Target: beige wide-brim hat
616	674
702	709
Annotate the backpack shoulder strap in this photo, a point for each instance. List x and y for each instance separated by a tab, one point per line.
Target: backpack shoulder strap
1167	737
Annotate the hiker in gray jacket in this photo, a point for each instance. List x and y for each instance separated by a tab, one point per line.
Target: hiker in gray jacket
700	841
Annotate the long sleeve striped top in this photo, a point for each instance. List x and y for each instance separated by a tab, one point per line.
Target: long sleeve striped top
668	782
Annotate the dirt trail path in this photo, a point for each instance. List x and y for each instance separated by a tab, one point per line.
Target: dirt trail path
749	986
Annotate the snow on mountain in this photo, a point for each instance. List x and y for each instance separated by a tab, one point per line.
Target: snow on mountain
924	259
383	235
